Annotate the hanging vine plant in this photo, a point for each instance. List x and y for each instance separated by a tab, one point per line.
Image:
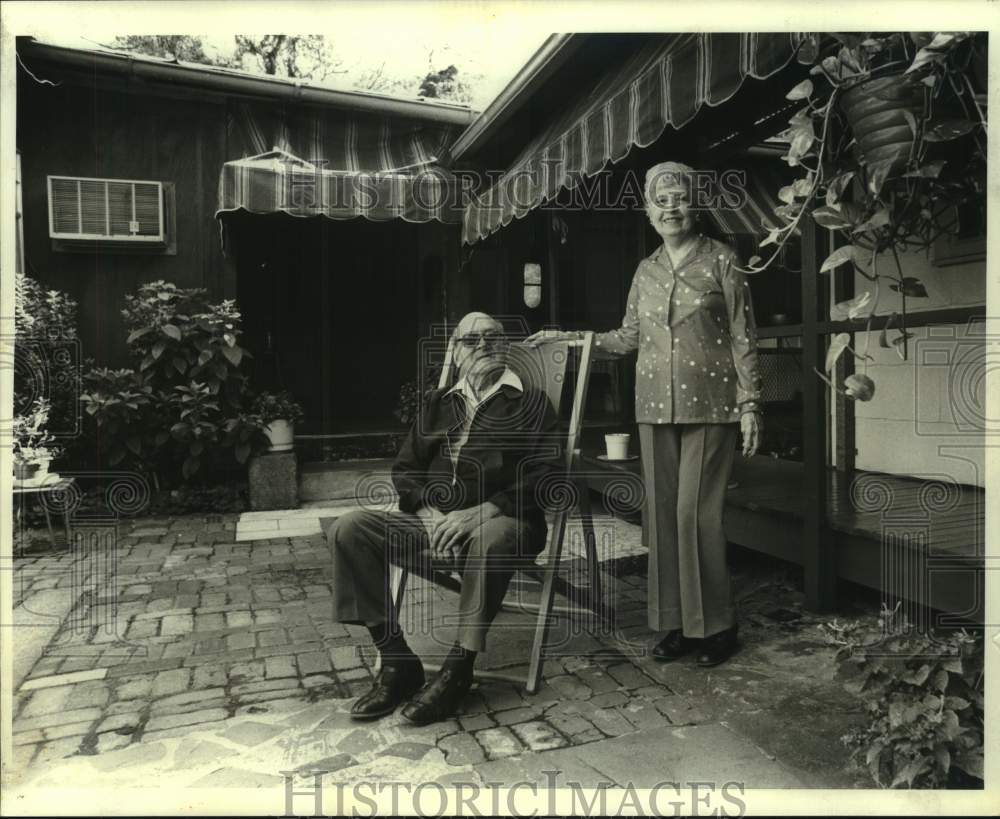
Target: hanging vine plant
891	141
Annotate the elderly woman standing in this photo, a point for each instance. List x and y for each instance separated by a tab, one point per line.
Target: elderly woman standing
690	317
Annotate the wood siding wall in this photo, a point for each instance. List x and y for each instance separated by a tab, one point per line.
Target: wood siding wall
77	130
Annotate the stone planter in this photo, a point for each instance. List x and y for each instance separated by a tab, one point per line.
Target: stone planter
876	111
281	434
273	481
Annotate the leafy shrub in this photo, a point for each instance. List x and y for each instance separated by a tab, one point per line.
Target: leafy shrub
185	406
42	313
29	438
177	338
124	411
45	326
924	694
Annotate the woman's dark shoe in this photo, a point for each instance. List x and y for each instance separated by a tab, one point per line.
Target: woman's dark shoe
395	683
674	646
441	698
718	648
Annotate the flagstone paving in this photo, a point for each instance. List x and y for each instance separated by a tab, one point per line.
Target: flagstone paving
215	662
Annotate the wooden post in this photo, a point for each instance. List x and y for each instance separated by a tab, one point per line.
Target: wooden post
552	274
328	322
843	289
818	561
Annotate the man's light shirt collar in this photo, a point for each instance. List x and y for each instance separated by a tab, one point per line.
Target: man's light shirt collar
508	378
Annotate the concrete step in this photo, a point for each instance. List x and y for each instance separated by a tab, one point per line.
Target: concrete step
342	480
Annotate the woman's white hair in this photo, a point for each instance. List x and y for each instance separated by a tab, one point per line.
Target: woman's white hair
676	172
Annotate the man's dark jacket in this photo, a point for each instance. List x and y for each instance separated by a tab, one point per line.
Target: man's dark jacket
513	444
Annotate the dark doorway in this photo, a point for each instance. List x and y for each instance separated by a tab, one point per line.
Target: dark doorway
331	313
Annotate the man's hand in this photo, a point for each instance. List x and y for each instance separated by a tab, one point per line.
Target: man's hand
752	430
451	531
549	336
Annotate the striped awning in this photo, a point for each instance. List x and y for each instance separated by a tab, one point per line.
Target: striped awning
665	83
338	164
746	222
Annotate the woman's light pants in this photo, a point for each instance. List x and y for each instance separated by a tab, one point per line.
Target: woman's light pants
686	468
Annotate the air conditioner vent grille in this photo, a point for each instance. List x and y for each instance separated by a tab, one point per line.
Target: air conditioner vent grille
118	210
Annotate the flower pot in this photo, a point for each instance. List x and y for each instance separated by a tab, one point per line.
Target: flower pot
24	471
876	111
43	467
281	434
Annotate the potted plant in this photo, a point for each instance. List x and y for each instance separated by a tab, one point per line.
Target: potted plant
280	412
31	440
45	456
891	140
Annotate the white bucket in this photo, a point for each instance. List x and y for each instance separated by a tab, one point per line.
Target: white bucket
281	434
617	445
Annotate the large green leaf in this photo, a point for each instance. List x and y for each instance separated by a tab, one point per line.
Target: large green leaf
172	331
838	344
878	172
910	286
918	676
840	256
952	664
932	170
836	186
852	308
830	217
801	143
910	771
949	129
233	354
950	723
880	218
971	762
801	91
808	50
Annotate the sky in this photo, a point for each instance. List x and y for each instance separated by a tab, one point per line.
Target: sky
363	37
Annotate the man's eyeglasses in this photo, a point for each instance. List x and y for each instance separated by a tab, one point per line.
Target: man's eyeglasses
490	340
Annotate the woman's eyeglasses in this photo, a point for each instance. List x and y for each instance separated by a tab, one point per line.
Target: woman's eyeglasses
490	340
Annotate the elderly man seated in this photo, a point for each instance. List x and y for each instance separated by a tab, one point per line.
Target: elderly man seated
466	477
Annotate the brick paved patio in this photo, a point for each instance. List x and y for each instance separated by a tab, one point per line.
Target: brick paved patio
217	662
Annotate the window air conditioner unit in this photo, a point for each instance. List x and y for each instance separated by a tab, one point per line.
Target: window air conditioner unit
121	211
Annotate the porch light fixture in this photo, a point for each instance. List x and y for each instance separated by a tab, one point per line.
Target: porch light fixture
532	284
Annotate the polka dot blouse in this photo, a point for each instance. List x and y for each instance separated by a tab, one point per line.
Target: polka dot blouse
694	328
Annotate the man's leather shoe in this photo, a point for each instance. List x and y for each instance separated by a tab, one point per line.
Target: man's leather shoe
718	648
440	699
395	683
674	646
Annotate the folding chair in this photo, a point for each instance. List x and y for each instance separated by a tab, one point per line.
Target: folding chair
544	367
